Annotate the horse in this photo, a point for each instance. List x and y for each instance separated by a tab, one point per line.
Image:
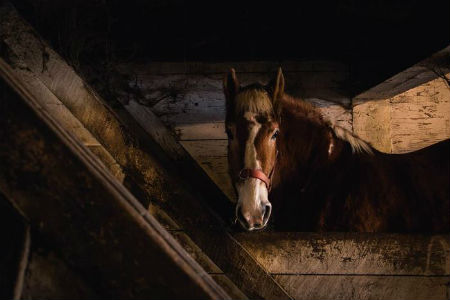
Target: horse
286	161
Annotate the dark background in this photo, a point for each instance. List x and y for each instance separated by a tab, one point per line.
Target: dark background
376	39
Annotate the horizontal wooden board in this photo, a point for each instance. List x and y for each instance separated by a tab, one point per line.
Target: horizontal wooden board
198	98
364	287
206	148
200	131
347	253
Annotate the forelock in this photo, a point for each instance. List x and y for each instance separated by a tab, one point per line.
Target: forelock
253	100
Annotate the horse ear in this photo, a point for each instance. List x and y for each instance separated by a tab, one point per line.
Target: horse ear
276	86
230	88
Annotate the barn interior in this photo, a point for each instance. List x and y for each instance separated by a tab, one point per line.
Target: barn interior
113	159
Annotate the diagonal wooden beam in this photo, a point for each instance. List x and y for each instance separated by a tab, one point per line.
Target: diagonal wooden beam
98	227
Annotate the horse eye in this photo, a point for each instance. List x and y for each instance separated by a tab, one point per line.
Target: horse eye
274	136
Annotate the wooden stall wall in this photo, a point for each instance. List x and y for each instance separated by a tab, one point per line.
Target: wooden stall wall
188	99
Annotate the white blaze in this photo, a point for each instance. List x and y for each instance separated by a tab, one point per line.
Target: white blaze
252	192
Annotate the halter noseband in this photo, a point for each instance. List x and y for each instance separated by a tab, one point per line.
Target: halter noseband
259	174
255	173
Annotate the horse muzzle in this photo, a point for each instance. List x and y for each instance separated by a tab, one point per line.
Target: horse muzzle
254	220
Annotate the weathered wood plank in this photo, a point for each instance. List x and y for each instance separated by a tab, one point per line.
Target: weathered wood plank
161	216
211	155
200	131
420	116
347	253
372	123
146	167
365	287
216	130
42	169
206	148
153	126
109	162
229	286
409	111
199	99
195	252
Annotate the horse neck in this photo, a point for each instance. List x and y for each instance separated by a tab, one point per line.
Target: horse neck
304	151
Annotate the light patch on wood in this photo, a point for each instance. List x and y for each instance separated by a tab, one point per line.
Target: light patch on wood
406	122
420	116
340	253
201	131
364	287
372	123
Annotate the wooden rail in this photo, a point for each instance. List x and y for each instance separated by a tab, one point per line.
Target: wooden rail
150	174
98	227
355	265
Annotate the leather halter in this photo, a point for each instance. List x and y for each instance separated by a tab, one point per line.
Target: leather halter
259	174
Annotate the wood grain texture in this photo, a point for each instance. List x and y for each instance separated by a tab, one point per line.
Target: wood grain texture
347	253
372	123
365	287
420	116
409	111
99	220
211	155
145	169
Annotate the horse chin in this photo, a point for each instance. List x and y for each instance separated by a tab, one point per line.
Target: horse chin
253	228
247	228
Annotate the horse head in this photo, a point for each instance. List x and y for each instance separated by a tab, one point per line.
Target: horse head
252	126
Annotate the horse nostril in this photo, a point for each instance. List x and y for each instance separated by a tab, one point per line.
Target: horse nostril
266	212
240	216
257	225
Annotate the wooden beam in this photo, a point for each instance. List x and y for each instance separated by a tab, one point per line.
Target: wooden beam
410	110
354	265
350	253
172	186
83	211
330	287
